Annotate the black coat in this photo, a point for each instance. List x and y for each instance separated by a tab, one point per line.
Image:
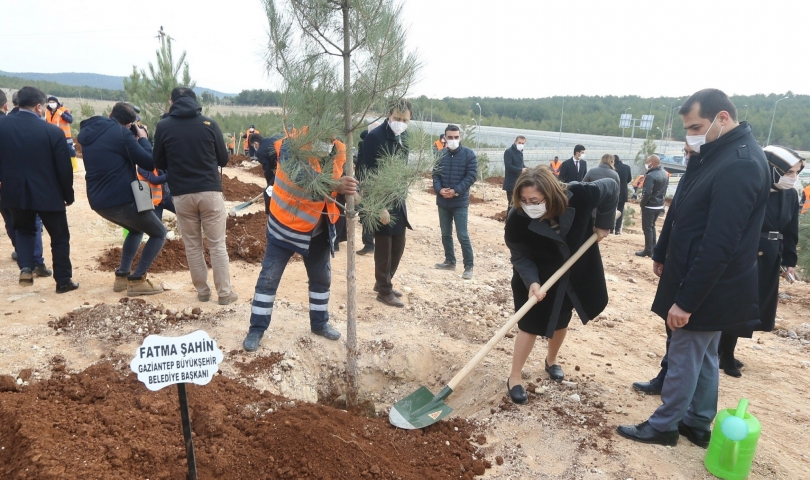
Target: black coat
625	177
35	168
382	141
109	151
190	147
568	171
710	236
537	251
268	158
456	170
654	190
513	166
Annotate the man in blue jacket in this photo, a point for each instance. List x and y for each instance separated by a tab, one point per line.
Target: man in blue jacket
513	166
37	179
452	178
706	259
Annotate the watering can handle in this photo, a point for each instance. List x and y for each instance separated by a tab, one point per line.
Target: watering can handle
741	408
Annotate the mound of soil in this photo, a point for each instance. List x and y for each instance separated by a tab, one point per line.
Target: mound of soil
500	216
246	240
236	190
130	319
256	169
103	423
494	181
235	160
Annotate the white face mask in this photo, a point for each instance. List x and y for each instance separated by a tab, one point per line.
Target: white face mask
582	157
696	141
785	182
398	127
535	211
453	144
52	105
519	146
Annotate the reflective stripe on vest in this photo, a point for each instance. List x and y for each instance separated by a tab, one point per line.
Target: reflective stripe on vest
289	204
157	190
55	118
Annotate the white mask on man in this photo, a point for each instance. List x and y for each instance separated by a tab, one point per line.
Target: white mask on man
52	105
696	141
453	144
398	127
582	157
519	146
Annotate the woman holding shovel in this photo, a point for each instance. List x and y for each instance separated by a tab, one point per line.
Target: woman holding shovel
550	221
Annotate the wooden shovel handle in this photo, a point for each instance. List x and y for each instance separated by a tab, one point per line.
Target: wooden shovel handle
519	314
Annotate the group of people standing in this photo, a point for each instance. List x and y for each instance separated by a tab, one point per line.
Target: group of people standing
730	230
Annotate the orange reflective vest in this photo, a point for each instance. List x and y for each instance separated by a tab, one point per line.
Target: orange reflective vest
638	182
806	206
248	133
231	143
157	190
55	118
555	167
293	214
439	145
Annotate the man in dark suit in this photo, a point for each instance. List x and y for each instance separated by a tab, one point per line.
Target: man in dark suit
573	169
37	179
706	259
513	166
625	177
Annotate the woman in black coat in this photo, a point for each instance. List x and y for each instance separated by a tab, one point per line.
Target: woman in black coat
551	221
777	248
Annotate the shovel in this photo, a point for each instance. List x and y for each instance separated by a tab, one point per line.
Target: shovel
422	408
250	202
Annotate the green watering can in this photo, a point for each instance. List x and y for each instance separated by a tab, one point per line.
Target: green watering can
733	444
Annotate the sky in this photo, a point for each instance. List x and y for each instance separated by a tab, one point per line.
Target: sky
505	48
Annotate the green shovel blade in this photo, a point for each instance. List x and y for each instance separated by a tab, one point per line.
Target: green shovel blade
420	409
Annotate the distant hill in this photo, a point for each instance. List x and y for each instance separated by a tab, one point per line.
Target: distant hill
93	80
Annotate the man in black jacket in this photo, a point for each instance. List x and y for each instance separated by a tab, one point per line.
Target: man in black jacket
368	236
625	177
190	147
573	169
707	261
452	178
513	166
390	138
37	179
653	192
266	154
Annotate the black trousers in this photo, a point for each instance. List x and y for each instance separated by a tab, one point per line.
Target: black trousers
387	254
57	226
648	218
620	208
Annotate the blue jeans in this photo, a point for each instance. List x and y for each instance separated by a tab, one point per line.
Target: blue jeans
25	222
137	223
12	235
446	219
319	273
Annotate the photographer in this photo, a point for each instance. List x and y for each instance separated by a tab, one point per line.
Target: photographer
111	152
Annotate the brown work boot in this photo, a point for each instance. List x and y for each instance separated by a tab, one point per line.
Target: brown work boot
121	282
141	286
232	297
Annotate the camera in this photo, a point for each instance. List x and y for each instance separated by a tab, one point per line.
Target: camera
136	125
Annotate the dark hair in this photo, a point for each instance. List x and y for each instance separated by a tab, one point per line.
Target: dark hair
578	148
712	101
451	128
53	98
556	157
441	136
616	158
255	137
400	105
541	178
3	98
519	137
29	97
14	98
363	134
123	113
180	92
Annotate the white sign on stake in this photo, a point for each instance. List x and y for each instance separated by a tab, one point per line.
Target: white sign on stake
163	361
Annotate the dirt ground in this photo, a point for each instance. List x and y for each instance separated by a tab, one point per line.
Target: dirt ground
78	412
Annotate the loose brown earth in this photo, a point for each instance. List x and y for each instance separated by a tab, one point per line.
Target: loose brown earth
73	417
235	189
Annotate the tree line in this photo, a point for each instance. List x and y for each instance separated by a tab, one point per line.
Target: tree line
59	90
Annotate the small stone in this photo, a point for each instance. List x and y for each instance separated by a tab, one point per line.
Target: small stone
196	311
574	397
499	460
756	347
652	355
631	280
760	341
569	384
25	374
481	439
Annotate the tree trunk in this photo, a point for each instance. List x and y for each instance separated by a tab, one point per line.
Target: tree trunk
351	222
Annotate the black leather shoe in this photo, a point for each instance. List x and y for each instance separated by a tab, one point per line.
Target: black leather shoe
645	433
730	368
643	254
700	438
517	394
555	372
67	287
653	387
366	250
42	271
391	300
394	291
327	332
